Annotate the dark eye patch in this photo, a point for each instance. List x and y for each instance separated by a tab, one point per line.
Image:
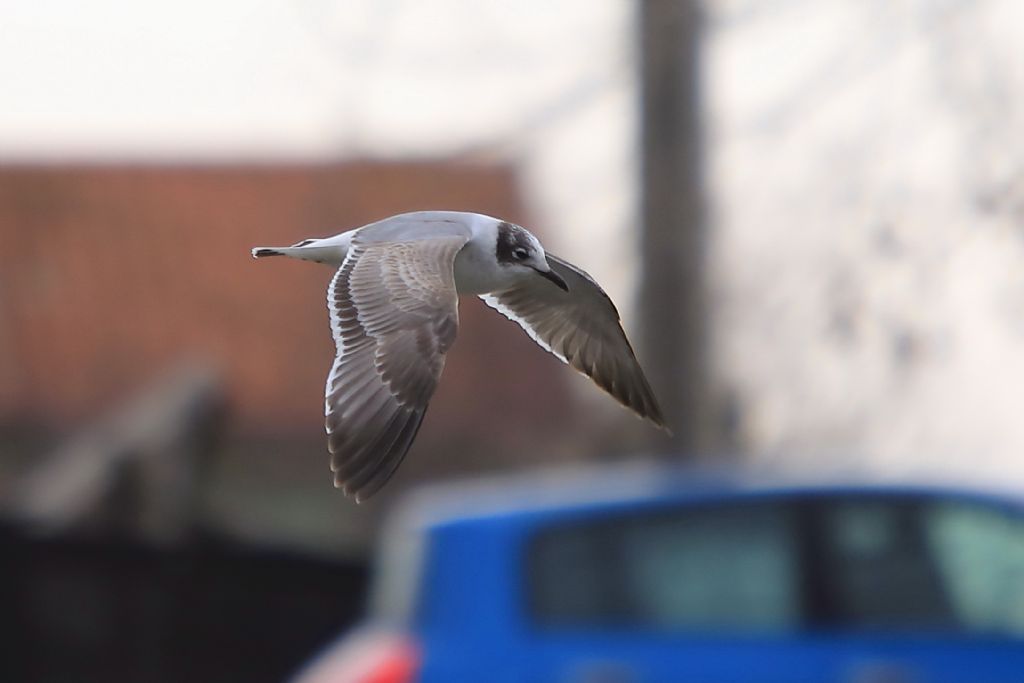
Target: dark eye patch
512	240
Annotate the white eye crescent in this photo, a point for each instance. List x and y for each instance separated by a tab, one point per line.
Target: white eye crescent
520	253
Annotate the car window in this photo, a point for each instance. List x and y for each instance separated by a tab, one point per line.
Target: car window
922	563
979	553
878	567
851	562
708	568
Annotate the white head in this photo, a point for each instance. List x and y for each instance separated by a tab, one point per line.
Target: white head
516	248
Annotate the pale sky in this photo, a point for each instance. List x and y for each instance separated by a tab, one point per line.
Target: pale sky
305	77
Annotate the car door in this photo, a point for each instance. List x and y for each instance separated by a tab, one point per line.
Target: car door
709	591
917	586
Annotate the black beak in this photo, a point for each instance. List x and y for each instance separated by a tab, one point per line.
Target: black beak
554	277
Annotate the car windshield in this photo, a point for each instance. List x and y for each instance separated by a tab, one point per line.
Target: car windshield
780	565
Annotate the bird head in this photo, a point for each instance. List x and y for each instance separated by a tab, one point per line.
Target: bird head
517	248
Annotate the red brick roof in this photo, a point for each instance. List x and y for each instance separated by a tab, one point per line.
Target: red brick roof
109	275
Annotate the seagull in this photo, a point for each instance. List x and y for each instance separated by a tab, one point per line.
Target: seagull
393	305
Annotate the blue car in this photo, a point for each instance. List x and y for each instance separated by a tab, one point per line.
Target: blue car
650	575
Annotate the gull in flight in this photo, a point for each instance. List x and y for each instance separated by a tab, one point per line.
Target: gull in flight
393	306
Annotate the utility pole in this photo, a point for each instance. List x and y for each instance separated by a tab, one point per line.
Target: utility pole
672	240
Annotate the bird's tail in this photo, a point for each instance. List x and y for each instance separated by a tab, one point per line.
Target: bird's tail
260	252
331	250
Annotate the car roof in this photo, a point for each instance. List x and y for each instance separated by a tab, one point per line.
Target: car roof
645	480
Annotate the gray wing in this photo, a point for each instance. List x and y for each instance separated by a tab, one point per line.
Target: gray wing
394	315
581	327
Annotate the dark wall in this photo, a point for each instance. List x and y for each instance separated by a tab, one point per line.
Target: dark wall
112	611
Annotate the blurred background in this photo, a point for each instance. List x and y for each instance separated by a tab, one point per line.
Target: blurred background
810	215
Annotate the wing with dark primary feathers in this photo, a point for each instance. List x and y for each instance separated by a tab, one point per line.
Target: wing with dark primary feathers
581	327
